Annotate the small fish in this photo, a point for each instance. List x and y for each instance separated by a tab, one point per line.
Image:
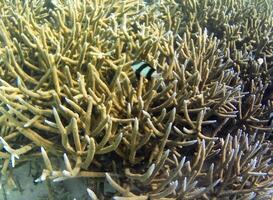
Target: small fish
142	68
260	61
270	121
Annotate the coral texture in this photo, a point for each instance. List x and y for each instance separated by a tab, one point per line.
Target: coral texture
199	132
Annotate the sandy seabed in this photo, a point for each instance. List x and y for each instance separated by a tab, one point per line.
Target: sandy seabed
26	190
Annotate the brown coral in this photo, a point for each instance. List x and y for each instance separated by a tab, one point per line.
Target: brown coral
67	88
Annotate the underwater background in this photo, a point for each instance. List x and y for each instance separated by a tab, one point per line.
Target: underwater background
136	100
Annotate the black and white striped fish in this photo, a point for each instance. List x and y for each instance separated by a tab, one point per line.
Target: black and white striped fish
142	68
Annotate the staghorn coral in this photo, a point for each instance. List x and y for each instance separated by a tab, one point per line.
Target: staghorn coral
67	88
243	165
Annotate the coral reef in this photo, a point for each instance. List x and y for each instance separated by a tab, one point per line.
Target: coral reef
199	132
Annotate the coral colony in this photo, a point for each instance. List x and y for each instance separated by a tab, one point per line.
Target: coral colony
78	84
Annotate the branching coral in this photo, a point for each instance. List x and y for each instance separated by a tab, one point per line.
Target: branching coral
242	170
67	88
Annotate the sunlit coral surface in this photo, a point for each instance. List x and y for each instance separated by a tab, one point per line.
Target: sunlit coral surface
202	130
